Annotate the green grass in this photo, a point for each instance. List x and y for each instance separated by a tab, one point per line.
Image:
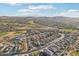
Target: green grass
74	53
18	32
3	33
68	30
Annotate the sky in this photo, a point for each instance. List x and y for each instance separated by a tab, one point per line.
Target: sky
39	9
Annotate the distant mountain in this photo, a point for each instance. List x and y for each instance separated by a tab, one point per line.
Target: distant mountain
58	19
65	19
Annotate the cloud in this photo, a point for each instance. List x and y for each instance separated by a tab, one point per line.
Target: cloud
70	13
42	7
36	10
14	4
27	10
71	10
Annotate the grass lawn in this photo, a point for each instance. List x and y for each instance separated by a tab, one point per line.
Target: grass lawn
18	32
68	30
3	33
74	53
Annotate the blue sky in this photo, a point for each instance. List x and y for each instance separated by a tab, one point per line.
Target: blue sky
40	9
